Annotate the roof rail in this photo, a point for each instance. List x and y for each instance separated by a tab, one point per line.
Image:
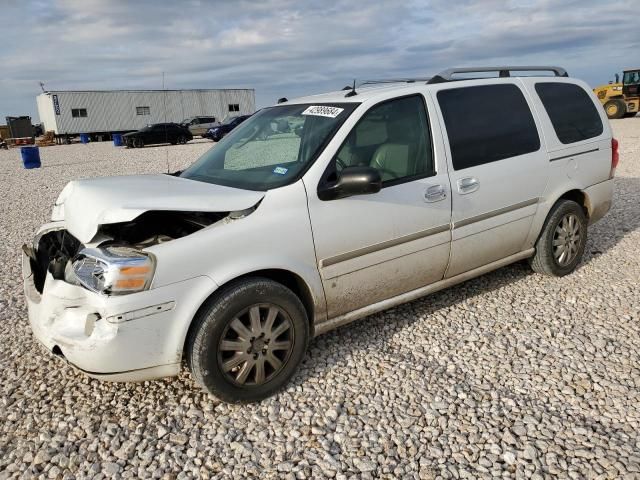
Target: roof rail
447	75
394	80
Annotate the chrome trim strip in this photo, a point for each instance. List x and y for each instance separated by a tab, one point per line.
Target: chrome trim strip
574	154
494	213
342	257
415	294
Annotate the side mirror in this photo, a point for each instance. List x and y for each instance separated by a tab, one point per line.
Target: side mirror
352	181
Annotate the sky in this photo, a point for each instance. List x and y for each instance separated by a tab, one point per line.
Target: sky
289	48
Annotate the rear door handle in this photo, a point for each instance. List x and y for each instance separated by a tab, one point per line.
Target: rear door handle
468	185
435	193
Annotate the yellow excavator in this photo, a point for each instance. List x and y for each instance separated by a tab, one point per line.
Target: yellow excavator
621	99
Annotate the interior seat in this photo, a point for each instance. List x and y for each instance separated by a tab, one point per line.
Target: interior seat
396	158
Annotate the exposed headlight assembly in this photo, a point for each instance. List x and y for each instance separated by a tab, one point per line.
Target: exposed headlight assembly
114	270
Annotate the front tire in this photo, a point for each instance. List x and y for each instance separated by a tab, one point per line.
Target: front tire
138	143
248	340
561	244
615	108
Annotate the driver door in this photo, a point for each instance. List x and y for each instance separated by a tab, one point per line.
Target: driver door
373	247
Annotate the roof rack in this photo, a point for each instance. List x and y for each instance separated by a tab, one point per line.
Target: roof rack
447	75
394	80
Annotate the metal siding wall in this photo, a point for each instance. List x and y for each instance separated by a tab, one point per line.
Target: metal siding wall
114	111
46	112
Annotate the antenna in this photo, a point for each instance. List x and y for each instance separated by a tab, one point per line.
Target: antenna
166	135
42	87
353	90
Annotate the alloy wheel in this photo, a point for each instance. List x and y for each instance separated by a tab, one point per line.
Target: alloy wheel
566	239
256	345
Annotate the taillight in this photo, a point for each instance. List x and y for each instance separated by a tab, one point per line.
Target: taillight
615	157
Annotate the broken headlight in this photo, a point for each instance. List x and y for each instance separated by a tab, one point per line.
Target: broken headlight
113	270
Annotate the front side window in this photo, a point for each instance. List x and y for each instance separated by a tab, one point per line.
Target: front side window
572	112
272	148
78	112
392	137
487	123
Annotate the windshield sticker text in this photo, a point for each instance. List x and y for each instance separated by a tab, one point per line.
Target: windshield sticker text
323	111
280	170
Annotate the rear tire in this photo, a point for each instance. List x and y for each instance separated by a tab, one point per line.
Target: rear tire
248	340
561	244
615	108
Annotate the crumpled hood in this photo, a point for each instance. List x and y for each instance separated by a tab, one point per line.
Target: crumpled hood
84	205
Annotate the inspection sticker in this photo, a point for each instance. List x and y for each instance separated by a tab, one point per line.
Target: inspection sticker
280	170
323	111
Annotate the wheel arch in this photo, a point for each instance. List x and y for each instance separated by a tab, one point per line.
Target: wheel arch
580	197
289	279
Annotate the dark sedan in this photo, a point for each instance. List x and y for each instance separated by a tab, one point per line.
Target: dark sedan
217	133
158	133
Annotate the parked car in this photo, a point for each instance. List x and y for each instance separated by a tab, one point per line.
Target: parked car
314	213
218	132
199	125
158	133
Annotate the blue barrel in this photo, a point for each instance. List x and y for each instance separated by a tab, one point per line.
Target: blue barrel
30	157
84	137
117	139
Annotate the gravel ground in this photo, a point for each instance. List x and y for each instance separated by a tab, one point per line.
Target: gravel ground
508	375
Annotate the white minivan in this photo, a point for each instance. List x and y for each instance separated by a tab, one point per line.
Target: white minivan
313	213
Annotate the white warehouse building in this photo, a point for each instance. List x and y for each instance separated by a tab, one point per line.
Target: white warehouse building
102	112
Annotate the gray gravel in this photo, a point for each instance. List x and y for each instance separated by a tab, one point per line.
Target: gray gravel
509	375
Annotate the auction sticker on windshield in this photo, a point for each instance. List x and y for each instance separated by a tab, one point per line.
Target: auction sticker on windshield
323	111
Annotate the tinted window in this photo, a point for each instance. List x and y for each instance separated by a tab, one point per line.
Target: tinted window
487	123
392	137
572	113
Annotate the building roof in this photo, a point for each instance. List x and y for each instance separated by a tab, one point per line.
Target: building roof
49	92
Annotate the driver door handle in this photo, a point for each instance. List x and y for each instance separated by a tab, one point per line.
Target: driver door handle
468	185
435	193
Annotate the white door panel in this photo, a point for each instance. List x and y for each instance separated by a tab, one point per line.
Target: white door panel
373	247
493	221
493	203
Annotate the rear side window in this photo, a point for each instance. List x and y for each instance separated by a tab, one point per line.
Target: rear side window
487	123
573	115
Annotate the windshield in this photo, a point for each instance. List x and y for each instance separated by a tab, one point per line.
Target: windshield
631	78
271	148
186	120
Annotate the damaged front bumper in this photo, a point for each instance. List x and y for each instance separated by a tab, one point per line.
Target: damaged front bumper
120	338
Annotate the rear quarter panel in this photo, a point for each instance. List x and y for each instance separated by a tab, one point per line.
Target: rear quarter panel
575	166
